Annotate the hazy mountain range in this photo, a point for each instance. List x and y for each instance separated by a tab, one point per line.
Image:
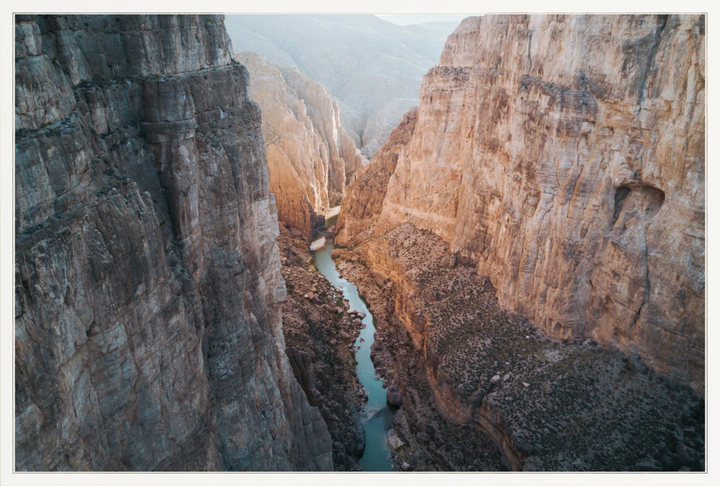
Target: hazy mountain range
372	67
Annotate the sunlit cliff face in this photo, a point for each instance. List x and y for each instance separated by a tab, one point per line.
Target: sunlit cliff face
528	242
545	152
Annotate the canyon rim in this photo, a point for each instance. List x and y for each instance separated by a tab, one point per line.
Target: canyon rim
530	241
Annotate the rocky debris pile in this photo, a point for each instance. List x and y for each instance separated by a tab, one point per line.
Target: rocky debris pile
547	404
319	334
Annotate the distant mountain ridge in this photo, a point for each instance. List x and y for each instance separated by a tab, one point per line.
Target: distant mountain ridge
373	68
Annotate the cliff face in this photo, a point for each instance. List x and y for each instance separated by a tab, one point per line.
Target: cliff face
366	193
310	156
563	156
148	285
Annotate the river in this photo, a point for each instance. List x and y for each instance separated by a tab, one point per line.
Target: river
378	417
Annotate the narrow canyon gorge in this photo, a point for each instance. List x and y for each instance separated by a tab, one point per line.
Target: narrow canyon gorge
372	68
539	223
310	156
514	282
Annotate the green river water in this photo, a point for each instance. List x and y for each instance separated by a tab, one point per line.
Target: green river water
378	417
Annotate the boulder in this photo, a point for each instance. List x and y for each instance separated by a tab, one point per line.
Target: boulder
394	397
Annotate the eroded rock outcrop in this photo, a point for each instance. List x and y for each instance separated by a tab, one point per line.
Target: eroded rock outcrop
310	156
148	284
563	156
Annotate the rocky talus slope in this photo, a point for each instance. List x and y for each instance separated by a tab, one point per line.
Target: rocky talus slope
563	157
319	335
482	388
310	156
372	67
148	280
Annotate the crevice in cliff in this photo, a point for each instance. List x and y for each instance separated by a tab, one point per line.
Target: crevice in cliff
636	203
646	298
650	61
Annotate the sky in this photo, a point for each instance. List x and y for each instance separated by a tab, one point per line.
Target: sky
407	19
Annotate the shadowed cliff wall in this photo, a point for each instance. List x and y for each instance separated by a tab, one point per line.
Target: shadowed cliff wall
148	285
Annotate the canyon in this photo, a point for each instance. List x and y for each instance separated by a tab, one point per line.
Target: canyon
373	68
310	157
528	242
483	388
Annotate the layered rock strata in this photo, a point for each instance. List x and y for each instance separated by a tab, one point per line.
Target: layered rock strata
148	285
563	157
471	375
310	156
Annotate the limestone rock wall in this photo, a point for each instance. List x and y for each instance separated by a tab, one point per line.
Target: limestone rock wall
148	285
309	154
564	157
